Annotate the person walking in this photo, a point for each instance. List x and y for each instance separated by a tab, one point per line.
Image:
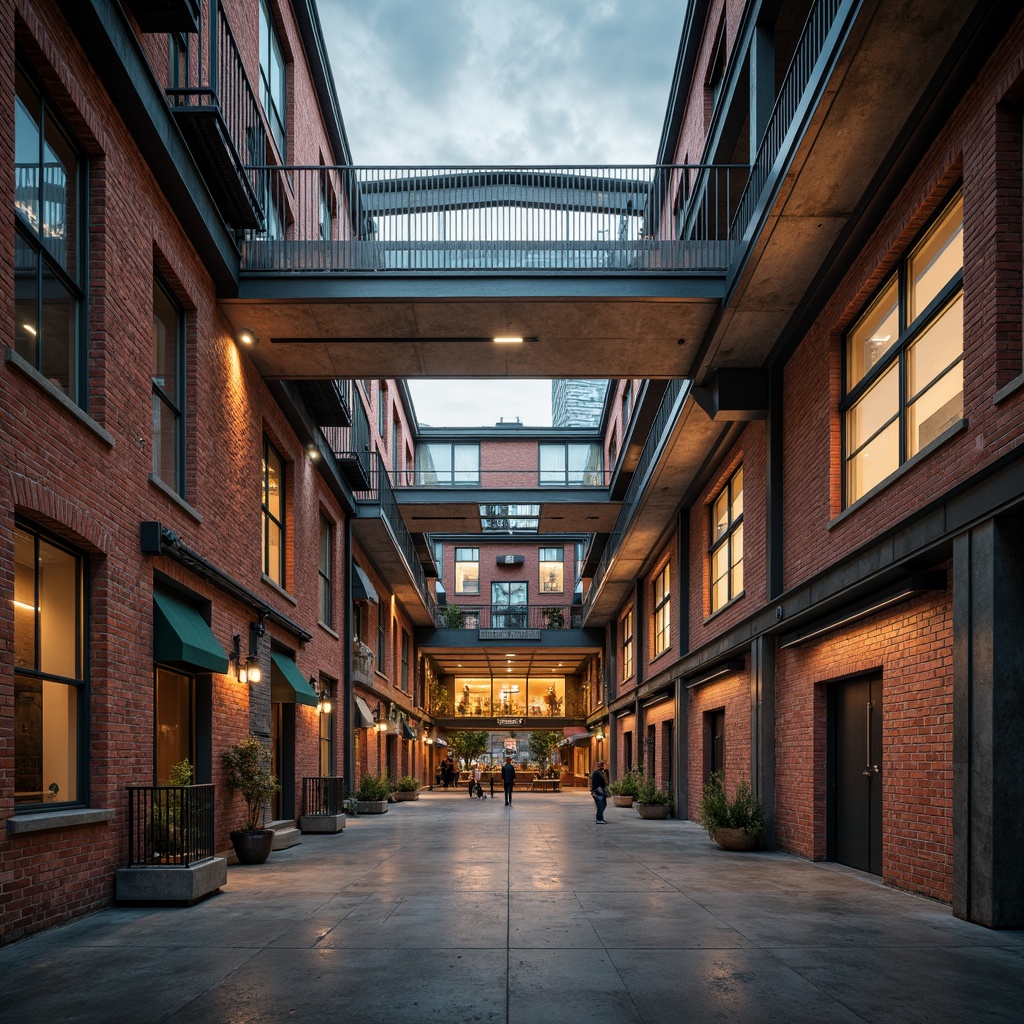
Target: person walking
508	778
599	790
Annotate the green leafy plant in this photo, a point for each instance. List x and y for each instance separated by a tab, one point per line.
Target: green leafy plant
248	773
374	787
628	784
453	617
717	811
408	784
468	745
554	618
167	812
648	793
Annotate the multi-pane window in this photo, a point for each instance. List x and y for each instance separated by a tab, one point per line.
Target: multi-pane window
174	721
382	405
404	678
49	276
662	611
273	83
904	378
273	514
551	570
327	727
727	543
509	605
440	464
324	571
395	465
168	388
50	696
467	570
571	464
627	644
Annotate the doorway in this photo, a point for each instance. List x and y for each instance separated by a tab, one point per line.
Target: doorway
855	774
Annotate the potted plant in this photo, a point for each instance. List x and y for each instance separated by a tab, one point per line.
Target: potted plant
554	618
453	617
248	772
373	794
736	824
652	802
407	788
167	832
624	790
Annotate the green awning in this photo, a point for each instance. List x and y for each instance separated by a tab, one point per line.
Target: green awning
364	716
408	732
287	684
182	638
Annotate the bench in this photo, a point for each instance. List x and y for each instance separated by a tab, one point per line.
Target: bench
546	785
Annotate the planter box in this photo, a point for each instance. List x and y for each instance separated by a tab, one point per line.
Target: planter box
736	839
171	885
405	794
622	800
324	824
371	806
652	810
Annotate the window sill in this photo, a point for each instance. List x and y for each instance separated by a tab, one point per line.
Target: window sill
1010	389
327	629
31	373
907	466
46	821
178	500
728	604
284	593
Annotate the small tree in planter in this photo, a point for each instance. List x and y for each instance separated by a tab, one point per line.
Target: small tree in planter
453	618
624	790
652	802
554	618
373	794
407	788
736	824
248	773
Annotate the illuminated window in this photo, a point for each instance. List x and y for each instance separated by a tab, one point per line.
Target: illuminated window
904	378
727	543
273	514
551	570
662	611
627	644
467	570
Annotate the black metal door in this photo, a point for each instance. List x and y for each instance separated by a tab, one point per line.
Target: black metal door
855	764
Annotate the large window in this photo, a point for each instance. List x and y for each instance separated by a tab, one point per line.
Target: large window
662	611
904	379
324	571
273	82
627	645
727	543
50	698
467	570
441	464
273	514
168	388
175	722
571	465
49	277
327	690
551	570
404	677
508	605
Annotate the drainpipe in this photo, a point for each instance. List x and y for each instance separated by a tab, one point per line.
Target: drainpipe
348	716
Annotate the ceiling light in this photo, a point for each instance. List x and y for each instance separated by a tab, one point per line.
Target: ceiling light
508	340
31	330
312	452
246	337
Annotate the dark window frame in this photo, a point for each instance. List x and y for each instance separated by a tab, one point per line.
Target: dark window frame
269	519
662	630
176	404
726	540
324	573
628	629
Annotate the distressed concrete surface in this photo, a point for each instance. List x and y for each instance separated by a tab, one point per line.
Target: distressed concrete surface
456	910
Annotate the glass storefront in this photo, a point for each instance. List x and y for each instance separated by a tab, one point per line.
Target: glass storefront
530	697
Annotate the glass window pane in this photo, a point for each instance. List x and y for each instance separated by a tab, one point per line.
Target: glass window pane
873	335
937	348
26	301
60	198
552	464
174	722
58	611
720	514
59	331
166	466
719	563
45	741
325	546
166	343
935	261
936	410
24	600
873	463
26	153
736	490
274	559
467	463
273	483
879	405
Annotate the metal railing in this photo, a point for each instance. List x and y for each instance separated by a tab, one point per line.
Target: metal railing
819	25
506	616
664	420
351	445
499	479
323	794
170	825
550	219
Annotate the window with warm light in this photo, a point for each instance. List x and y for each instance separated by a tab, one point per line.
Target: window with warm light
273	514
404	677
50	693
49	273
627	645
662	611
324	570
327	690
174	720
551	570
727	543
168	388
467	570
903	378
273	78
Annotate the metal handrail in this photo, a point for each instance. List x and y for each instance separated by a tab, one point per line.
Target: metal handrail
498	479
552	615
323	794
170	826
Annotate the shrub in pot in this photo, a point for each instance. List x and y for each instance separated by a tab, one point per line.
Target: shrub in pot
652	802
625	789
248	772
407	788
736	824
373	794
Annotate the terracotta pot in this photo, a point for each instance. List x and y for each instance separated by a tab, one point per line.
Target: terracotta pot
406	794
652	810
622	800
253	847
736	839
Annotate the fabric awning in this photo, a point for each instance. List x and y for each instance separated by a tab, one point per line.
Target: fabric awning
181	636
440	742
576	734
364	716
362	588
408	732
287	684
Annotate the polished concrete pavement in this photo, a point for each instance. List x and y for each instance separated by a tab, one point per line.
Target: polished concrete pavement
452	910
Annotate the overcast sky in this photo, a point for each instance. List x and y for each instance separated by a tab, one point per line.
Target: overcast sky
434	82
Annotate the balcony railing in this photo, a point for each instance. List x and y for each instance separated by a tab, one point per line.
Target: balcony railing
500	479
351	445
170	825
466	219
509	616
323	794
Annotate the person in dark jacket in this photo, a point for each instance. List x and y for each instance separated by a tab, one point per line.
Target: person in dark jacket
508	778
599	790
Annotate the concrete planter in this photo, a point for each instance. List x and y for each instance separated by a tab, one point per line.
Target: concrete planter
655	811
371	806
405	794
736	839
622	800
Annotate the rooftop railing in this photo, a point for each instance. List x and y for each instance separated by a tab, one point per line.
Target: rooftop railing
654	218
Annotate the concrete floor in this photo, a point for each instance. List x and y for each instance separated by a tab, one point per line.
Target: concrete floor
452	910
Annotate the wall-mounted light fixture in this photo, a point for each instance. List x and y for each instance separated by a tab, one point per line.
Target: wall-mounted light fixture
235	659
312	453
253	672
599	733
324	706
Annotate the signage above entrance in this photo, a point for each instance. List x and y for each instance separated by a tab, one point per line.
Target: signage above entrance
508	634
510	721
